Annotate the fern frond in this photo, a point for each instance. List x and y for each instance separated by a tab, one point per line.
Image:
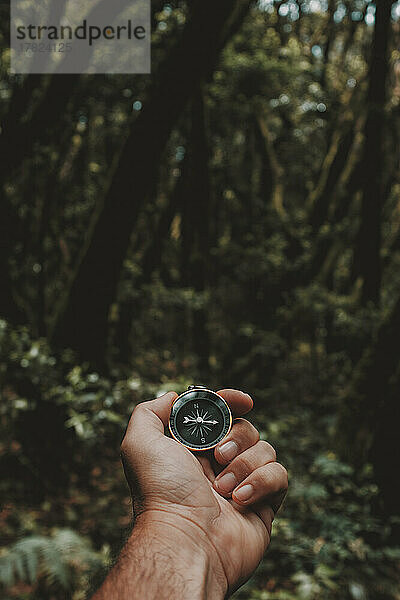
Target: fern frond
55	558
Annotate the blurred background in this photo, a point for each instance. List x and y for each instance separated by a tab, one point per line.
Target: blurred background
231	219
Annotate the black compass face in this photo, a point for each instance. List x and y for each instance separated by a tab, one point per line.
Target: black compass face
200	419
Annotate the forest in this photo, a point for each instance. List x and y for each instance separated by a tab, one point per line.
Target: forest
231	219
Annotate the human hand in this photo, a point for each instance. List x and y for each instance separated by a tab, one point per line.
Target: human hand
171	487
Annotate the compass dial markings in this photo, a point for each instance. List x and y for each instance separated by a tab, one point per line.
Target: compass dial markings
199	422
200	419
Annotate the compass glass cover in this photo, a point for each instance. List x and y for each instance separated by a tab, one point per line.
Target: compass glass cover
200	419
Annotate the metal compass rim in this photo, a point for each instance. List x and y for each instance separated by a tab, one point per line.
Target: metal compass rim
225	410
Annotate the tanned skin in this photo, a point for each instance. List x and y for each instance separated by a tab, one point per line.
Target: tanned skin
198	535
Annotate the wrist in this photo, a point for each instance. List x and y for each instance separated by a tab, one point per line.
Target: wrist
190	560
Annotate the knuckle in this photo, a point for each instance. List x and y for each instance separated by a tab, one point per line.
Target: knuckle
139	408
247	433
267	449
253	432
246	428
272	477
244	465
282	476
128	446
124	446
263	478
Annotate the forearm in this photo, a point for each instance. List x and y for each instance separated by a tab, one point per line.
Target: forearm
162	562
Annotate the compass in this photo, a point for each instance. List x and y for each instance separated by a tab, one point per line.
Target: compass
200	418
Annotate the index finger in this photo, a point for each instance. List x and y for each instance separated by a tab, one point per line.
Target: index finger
239	402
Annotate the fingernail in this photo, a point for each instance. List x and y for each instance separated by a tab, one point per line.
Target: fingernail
228	450
244	493
226	483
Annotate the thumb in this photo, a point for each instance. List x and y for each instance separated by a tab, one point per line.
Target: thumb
149	418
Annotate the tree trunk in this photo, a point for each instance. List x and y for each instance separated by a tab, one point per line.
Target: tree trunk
9	228
367	261
151	259
334	165
330	34
82	321
195	248
370	420
18	138
199	204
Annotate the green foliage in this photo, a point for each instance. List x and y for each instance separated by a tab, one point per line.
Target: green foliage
328	543
273	308
59	561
